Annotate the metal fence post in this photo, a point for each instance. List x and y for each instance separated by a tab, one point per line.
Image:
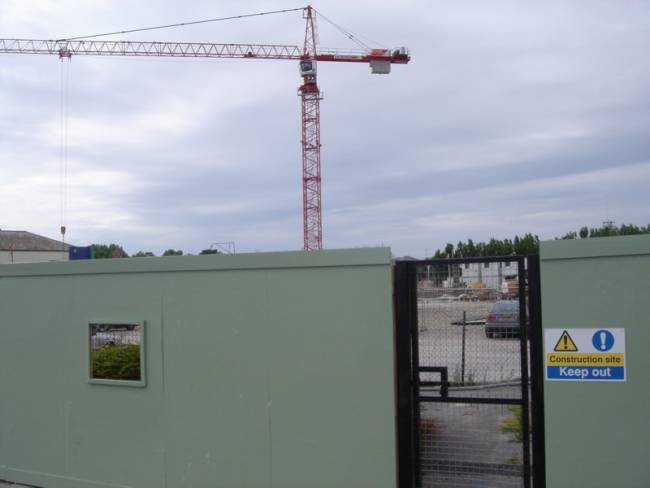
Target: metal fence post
462	364
404	372
525	403
536	372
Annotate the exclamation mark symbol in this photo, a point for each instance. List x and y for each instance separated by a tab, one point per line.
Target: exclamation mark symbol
565	343
603	341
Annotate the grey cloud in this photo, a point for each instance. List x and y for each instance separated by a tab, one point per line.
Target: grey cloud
503	104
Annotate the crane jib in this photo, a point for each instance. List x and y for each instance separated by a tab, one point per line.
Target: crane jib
190	49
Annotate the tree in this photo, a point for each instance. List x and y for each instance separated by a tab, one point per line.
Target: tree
449	250
529	243
143	254
172	252
103	251
209	251
609	229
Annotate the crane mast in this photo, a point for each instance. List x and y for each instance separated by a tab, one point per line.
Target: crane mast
310	108
380	61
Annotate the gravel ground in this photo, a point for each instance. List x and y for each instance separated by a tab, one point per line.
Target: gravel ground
441	343
486	360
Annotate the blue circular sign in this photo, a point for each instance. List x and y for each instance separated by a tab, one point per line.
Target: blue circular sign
603	340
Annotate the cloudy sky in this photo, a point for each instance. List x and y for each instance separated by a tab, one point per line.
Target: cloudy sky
512	117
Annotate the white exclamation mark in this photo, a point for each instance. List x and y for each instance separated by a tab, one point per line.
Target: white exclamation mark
603	340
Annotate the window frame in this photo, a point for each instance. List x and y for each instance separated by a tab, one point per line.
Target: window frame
142	382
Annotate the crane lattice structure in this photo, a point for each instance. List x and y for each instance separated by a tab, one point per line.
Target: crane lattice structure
380	61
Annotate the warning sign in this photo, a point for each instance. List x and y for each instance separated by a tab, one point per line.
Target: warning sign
565	344
584	354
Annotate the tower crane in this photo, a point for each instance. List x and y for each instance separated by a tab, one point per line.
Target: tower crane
308	56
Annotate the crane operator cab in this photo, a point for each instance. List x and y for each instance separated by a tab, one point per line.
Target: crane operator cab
308	67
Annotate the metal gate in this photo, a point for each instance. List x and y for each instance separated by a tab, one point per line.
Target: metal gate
469	362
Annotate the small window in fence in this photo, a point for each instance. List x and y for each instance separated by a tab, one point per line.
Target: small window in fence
116	353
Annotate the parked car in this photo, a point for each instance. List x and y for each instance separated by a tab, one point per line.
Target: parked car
503	319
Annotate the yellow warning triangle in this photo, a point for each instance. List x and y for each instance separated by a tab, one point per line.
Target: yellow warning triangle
565	343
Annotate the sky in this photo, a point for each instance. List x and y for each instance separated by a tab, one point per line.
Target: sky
512	117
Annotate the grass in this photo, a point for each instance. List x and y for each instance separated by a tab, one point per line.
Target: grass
513	424
512	460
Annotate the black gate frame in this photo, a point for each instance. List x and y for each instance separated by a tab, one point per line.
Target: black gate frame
408	369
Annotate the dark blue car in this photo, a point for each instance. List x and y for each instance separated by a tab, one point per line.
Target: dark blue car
503	320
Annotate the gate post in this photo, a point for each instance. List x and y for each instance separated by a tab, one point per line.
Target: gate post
404	370
536	372
523	356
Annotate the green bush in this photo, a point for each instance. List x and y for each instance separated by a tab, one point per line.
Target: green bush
117	363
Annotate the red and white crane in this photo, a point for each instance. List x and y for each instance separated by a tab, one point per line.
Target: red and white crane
380	61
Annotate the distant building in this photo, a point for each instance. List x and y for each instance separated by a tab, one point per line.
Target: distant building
493	275
19	246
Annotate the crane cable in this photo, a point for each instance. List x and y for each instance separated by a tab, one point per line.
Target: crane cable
348	33
182	24
63	150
